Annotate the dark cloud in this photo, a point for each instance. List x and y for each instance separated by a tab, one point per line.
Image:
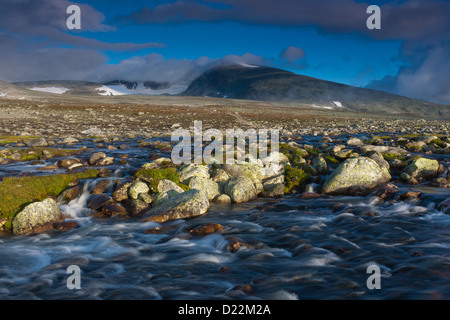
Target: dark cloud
46	19
412	19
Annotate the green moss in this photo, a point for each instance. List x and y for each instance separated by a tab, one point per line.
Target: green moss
36	153
438	142
331	159
391	156
294	177
153	176
411	135
16	193
294	154
14	139
383	137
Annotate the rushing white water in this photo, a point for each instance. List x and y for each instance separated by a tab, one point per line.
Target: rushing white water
291	248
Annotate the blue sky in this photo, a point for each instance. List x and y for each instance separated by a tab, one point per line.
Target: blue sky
177	40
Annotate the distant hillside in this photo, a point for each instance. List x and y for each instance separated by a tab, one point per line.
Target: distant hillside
270	84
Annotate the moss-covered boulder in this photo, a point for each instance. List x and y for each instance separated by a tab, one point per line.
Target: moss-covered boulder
356	176
240	189
210	187
37	217
422	169
186	205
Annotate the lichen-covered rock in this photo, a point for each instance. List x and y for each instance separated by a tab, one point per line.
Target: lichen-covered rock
41	142
397	164
148	199
165	185
273	191
275	157
161	197
319	164
254	172
121	193
184	205
64	163
378	158
356	176
158	163
422	169
354	142
37	217
105	161
193	170
210	187
241	189
96	157
383	149
136	188
223	198
220	175
135	208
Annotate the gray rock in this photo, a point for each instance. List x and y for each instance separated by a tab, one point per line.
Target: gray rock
210	187
41	142
186	205
422	169
354	142
254	172
319	164
223	198
356	176
383	149
241	189
136	188
96	157
165	185
105	161
378	158
193	170
37	217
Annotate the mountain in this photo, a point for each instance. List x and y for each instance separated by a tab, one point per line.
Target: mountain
252	82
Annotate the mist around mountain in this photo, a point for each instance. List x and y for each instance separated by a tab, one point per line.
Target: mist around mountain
241	81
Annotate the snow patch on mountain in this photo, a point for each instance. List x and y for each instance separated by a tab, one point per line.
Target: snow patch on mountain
248	65
57	90
119	89
338	104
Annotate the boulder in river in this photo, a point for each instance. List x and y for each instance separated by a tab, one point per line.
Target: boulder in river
421	169
356	176
41	142
241	189
37	217
136	188
188	204
210	187
96	157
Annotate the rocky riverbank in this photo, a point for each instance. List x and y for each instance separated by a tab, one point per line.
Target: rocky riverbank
154	189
